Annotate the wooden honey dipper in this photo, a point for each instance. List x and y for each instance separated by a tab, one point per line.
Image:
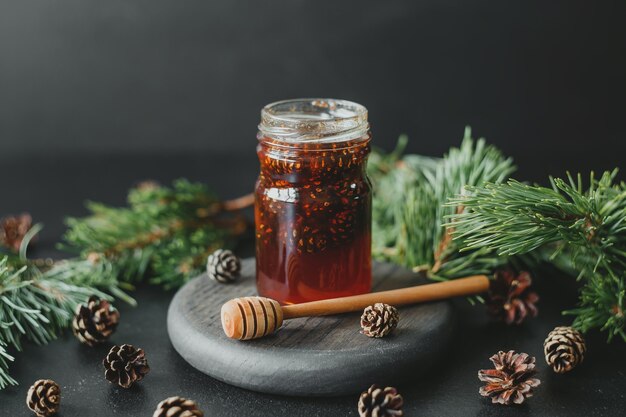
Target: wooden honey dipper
248	318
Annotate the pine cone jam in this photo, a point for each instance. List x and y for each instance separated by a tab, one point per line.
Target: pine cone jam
313	201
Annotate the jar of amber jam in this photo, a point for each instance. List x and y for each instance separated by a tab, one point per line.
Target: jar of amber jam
313	201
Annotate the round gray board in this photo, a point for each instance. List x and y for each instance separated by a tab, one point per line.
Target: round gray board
314	356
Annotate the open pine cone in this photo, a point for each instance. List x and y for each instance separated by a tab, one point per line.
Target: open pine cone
223	266
124	365
564	349
44	397
177	407
380	402
13	229
379	320
511	382
95	321
510	298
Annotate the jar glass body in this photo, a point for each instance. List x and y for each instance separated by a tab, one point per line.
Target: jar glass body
313	201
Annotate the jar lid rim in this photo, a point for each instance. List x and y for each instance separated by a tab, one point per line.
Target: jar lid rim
313	120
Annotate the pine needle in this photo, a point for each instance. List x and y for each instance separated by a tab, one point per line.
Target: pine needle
583	232
33	306
409	206
168	231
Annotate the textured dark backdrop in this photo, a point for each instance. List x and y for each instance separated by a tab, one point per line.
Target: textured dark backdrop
543	80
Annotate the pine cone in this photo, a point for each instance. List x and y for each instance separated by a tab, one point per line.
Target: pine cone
564	349
223	266
510	298
380	402
177	407
95	321
13	229
379	320
44	397
512	379
124	365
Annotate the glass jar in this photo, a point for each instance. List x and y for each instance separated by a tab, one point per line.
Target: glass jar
313	201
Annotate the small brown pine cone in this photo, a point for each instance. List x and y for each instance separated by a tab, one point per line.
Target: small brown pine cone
44	397
177	407
95	321
124	365
511	382
510	298
379	320
13	229
564	349
223	266
380	402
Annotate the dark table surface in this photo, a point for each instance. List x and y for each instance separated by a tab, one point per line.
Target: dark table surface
53	188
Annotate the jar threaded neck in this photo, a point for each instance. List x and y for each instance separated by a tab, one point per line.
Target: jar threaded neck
298	121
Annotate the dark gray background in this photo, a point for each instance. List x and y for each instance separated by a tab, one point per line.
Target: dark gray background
544	80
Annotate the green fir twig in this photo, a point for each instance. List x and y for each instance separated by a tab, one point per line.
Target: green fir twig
409	208
33	307
168	231
579	230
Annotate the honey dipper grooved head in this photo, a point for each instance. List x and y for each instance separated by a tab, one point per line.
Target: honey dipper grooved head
251	317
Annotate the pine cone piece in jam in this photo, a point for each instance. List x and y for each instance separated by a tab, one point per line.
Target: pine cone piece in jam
177	407
44	397
511	382
380	402
13	229
379	320
124	365
223	266
564	349
510	298
95	321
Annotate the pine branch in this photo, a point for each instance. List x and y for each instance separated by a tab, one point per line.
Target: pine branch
409	208
93	272
33	306
169	231
5	358
579	230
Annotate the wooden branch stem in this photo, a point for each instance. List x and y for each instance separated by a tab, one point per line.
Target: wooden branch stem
239	202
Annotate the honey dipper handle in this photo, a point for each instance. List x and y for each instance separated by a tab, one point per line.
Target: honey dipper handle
475	284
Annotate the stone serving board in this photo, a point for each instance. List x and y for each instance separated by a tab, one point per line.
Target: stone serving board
320	356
